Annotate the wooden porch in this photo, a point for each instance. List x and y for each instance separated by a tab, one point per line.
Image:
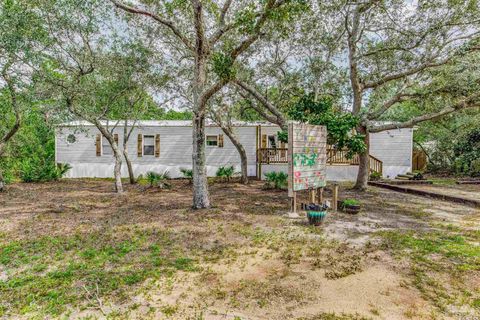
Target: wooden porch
334	158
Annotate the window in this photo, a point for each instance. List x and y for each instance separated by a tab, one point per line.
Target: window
212	141
272	142
106	148
71	138
148	145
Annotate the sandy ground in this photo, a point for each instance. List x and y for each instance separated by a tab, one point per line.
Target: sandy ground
270	267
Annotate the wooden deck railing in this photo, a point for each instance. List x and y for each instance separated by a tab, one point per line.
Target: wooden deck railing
376	165
334	158
272	155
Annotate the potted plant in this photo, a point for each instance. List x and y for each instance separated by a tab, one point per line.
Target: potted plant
315	213
349	206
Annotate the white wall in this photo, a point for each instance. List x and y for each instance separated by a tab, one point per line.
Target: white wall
175	151
394	148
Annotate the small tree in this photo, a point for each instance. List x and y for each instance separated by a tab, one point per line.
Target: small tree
22	34
213	37
222	116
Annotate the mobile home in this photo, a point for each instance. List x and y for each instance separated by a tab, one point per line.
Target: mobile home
161	146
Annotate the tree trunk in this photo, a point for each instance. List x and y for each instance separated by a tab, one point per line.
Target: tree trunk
201	197
117	171
2	182
241	152
364	165
131	175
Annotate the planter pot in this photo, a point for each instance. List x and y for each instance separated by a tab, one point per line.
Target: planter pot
351	209
316	217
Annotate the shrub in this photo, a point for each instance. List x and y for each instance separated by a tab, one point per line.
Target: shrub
467	153
350	202
276	180
62	169
39	170
187	173
375	176
158	180
225	172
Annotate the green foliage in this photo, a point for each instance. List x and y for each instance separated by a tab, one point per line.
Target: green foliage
282	136
187	173
467	153
222	65
276	180
158	180
225	172
350	202
30	155
375	176
340	125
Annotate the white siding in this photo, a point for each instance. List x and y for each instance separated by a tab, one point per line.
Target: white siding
394	149
175	151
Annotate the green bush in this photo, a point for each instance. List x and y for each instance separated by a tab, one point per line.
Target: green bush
36	169
276	180
158	180
225	172
350	202
375	176
187	173
467	154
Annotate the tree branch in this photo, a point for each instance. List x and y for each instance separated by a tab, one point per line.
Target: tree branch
406	73
469	102
277	117
16	110
167	23
222	27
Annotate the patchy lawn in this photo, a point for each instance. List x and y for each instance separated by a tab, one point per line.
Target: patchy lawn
74	249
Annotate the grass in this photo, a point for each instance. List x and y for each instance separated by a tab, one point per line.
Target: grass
440	261
47	274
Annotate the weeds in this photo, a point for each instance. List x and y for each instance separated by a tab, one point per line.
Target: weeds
50	273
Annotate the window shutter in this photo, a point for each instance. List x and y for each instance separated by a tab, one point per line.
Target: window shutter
140	145
282	146
98	144
220	140
115	137
157	145
264	141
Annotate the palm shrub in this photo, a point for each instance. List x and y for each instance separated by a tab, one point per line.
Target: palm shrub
187	174
158	180
62	169
225	172
276	180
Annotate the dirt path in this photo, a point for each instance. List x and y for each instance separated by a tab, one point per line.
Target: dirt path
465	191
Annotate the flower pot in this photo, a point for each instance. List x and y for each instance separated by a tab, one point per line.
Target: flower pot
316	217
352	209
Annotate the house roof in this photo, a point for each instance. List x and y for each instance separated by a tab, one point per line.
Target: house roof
162	123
